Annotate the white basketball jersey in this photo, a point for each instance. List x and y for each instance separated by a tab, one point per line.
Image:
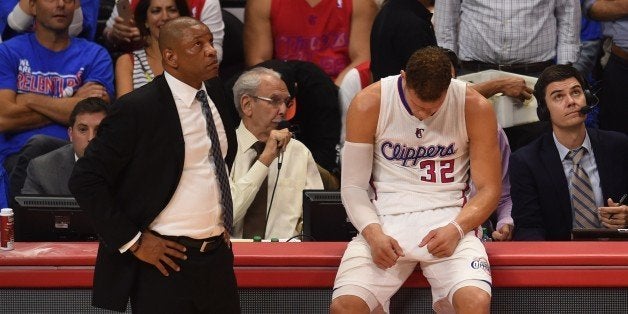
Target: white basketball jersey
420	165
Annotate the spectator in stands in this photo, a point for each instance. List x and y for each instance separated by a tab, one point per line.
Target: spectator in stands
314	116
84	20
613	107
155	182
401	27
522	37
141	66
42	77
572	177
270	170
333	34
591	46
49	174
126	32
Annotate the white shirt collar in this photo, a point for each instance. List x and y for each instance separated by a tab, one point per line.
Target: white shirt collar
181	91
563	151
246	139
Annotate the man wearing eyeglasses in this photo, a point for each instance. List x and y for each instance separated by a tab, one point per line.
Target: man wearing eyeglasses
270	170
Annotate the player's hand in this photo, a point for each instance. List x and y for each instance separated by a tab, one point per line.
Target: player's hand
503	234
91	89
614	216
385	250
159	252
124	31
516	87
441	242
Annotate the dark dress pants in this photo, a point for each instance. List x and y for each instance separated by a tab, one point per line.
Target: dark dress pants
206	283
614	96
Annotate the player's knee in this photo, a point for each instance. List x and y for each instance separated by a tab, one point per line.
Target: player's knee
348	304
471	300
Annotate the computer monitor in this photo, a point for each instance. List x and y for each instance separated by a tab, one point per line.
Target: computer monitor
51	218
324	217
603	234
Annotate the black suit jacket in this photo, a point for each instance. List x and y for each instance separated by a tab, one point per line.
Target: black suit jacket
541	205
128	175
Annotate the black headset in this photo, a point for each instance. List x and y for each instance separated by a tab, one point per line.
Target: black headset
543	113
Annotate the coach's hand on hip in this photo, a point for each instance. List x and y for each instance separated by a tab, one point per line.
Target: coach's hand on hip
157	251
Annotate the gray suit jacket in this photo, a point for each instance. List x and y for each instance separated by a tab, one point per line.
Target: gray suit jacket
48	174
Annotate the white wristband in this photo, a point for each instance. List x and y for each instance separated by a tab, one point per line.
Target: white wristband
453	222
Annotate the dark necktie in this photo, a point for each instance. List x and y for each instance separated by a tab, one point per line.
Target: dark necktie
255	217
221	169
582	199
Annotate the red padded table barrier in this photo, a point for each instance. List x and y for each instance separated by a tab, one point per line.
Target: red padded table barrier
314	264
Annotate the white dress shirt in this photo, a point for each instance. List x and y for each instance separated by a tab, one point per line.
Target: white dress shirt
298	172
509	32
194	210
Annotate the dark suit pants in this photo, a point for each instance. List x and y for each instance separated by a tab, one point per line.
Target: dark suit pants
205	284
613	96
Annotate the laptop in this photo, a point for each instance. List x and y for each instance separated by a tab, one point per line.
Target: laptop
325	218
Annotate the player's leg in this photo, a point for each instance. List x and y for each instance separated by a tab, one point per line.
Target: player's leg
471	299
461	282
362	287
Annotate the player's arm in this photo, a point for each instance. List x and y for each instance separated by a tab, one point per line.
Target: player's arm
362	19
258	38
485	172
17	117
357	164
485	161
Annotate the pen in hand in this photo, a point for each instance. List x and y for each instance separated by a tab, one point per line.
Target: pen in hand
623	200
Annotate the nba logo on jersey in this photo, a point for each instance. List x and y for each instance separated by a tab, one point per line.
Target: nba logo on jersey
339	2
419	132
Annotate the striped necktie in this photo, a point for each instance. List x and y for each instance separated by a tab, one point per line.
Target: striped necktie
582	199
255	217
221	168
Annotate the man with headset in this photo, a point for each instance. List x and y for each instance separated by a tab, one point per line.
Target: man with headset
572	177
267	198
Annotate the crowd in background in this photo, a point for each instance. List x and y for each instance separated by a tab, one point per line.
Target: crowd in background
56	53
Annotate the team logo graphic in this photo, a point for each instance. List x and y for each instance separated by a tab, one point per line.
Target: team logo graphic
419	133
481	262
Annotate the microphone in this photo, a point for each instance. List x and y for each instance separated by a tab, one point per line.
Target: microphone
283	124
586	109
